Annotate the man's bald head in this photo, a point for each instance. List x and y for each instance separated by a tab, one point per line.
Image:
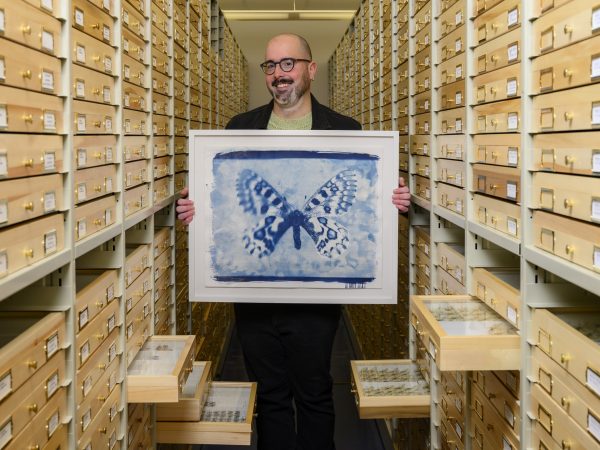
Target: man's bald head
300	41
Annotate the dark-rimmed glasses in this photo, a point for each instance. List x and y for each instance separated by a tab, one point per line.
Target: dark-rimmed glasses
286	64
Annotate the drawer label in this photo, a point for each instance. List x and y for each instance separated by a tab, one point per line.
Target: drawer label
110	293
2	69
128	304
84	317
127	72
458	98
79	17
3	117
511	314
459	206
2	20
112	353
81	157
87	386
511	190
108	184
595	19
6	433
458	18
50	242
86	419
593	380
509	416
129	331
49	120
47	4
458	125
3	211
81	192
108	154
80	88
512	17
107	64
506	445
49	201
596	258
108	216
594	426
458	45
512	121
113	412
52	385
106	4
513	52
53	423
106	32
110	323
5	385
596	209
112	440
511	87
513	156
108	124
80	53
47	80
4	262
81	125
81	228
596	113
112	381
4	163
84	352
458	429
49	161
595	66
47	41
51	345
106	94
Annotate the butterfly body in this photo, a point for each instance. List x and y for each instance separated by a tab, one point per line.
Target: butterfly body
258	197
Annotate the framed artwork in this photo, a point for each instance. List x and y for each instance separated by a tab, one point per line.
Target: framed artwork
293	216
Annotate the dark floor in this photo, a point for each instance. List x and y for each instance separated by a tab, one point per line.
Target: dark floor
351	433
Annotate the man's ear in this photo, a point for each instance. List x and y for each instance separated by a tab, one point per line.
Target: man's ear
312	70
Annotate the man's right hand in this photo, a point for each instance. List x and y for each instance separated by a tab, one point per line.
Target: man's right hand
185	207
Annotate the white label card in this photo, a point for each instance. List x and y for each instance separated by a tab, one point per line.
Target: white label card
593	380
80	53
596	114
107	64
112	353
52	385
458	98
511	225
594	426
3	116
596	258
511	87
509	415
106	4
127	72
47	80
458	430
596	209
81	157
4	262
126	100
49	201
6	433
84	317
81	228
5	385
110	323
108	124
595	67
3	211
513	52
128	304
458	125
80	88
106	94
512	121
49	161
79	17
596	161
513	156
47	41
108	184
53	423
51	346
129	331
112	381
106	32
458	18
2	69
84	352
49	120
50	242
511	314
458	45
2	21
512	17
126	45
511	190
87	386
86	419
81	192
595	19
506	444
4	164
81	124
458	72
108	216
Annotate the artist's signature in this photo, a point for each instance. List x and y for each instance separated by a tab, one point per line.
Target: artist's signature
355	285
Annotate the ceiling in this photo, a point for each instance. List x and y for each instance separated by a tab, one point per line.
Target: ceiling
289	4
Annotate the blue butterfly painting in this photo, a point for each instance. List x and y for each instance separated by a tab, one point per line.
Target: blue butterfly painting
276	215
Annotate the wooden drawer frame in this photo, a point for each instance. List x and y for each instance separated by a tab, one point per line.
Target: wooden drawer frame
451	197
567	152
492	286
499	215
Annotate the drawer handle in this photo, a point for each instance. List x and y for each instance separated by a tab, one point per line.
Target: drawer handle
28	254
98	188
32	364
569	203
565	445
565	358
33	408
494	58
26	74
565	402
96	26
28	118
568	29
567	73
28	206
102	366
103	430
26	29
569	250
495	26
568	116
97	222
100	305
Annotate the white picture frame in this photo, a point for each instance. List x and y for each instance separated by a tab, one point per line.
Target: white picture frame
293	216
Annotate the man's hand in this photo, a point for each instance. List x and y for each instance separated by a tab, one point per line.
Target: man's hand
401	196
185	207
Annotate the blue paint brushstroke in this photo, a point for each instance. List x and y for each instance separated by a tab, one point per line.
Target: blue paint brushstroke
241	279
294	154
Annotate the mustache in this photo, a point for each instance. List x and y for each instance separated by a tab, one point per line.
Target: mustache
276	82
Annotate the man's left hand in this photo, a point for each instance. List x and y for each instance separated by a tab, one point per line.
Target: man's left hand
401	196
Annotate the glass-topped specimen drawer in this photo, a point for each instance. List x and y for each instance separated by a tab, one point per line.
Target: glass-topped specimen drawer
190	404
390	388
463	333
160	369
226	418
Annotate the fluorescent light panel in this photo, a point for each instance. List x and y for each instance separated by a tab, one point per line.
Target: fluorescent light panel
242	14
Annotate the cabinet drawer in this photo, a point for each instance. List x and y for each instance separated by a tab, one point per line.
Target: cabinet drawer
451	121
162	284
498	117
134	46
550	418
569	67
567	152
422	262
138	289
102	403
500	182
180	110
497	21
29	69
226	418
179	90
28	198
423	165
136	173
566	238
423	240
451	146
422	188
575	399
500	289
136	316
134	148
572	109
498	434
160	369
180	57
422	81
95	290
451	197
160	125
160	19
140	334
43	426
93	86
162	240
93	21
452	70
451	95
134	71
451	258
95	216
502	150
194	96
162	264
568	195
567	336
452	18
181	181
92	53
32	27
499	84
105	428
162	167
451	172
134	122
31	242
422	123
190	405
31	112
180	36
453	44
23	407
160	42
498	53
181	127
162	189
448	285
134	97
95	182
28	155
160	62
403	165
161	146
462	333
133	20
137	199
137	260
422	16
497	214
92	118
502	400
565	25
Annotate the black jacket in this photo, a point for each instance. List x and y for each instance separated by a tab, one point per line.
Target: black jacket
323	118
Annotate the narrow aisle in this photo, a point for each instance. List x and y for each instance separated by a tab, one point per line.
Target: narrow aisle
351	433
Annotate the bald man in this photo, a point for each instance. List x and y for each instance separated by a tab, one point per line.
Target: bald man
287	348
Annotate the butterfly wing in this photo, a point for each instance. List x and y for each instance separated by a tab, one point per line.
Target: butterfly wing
257	197
334	198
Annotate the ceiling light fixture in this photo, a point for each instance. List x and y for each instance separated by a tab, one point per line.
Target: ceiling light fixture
315	14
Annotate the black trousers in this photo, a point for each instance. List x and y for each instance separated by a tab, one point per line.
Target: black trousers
287	350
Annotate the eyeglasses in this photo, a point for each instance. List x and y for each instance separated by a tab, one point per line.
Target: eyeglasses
286	64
